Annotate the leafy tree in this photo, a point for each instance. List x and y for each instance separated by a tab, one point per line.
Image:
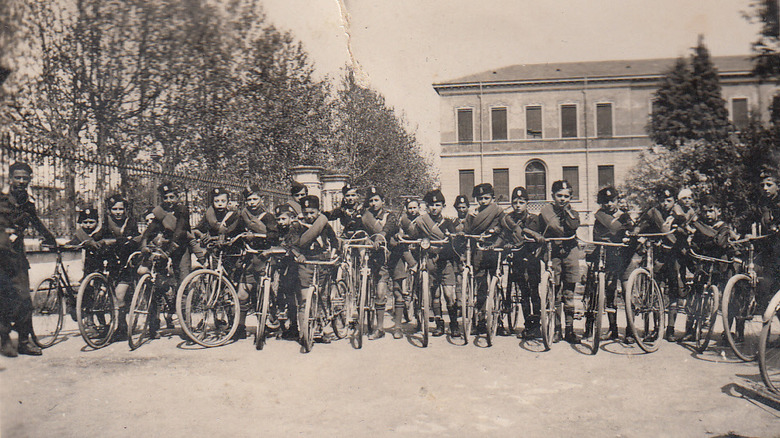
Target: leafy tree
688	105
767	46
373	145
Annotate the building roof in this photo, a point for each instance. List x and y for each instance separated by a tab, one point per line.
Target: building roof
594	70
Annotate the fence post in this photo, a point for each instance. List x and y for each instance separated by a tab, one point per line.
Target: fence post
331	190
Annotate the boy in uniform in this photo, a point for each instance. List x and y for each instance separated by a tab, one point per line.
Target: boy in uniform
612	224
313	239
253	219
218	222
88	233
768	250
524	270
288	271
559	219
402	263
441	261
486	221
297	192
170	230
380	223
349	213
17	213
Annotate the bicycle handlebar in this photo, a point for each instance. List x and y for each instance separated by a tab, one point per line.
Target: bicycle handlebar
747	239
613	244
331	262
419	241
708	258
651	235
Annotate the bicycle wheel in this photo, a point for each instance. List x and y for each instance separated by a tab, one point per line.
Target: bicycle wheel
211	308
708	315
492	309
598	311
466	303
138	316
310	323
48	312
548	313
96	312
513	312
769	346
361	322
645	310
264	301
741	326
425	306
339	309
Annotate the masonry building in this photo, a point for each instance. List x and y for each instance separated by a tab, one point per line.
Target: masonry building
584	122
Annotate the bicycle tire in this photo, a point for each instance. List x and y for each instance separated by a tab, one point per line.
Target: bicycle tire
96	313
138	315
262	315
598	317
425	305
492	311
466	304
769	346
211	308
513	316
707	318
310	325
548	311
360	329
645	310
738	307
339	308
48	312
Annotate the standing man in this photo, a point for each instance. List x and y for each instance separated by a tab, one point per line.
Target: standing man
17	213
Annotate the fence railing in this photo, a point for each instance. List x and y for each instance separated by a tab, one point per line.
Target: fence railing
65	182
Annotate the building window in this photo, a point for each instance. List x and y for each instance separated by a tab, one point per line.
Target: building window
568	121
606	176
536	181
572	175
533	121
739	112
465	125
604	120
501	184
498	123
466	180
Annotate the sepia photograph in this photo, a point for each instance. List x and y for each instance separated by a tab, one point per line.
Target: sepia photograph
389	218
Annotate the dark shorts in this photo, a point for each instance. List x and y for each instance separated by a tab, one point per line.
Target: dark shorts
566	264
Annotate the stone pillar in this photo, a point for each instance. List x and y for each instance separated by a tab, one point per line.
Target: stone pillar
331	190
310	177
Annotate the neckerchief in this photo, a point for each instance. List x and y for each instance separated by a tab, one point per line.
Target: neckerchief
430	227
484	219
115	229
215	224
82	235
254	223
374	224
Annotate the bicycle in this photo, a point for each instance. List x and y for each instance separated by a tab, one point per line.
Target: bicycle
769	345
552	310
595	294
422	284
644	301
265	290
366	295
503	299
49	300
97	313
207	302
347	279
703	306
147	296
740	311
467	290
316	313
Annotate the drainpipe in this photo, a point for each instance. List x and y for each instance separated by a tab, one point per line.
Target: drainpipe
481	139
587	153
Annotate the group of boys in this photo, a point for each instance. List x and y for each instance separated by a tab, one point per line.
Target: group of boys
304	229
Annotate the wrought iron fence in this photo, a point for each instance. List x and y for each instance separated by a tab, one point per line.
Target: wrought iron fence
65	183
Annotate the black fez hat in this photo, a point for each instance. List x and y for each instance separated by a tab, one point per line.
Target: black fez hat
347	187
561	184
20	165
373	191
310	201
482	189
519	193
166	187
606	194
217	191
87	213
461	199
251	188
284	209
666	192
297	187
433	197
113	199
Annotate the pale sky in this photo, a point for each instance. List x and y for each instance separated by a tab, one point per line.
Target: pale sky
404	46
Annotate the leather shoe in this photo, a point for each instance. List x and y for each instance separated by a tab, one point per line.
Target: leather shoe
377	334
397	334
29	348
571	338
